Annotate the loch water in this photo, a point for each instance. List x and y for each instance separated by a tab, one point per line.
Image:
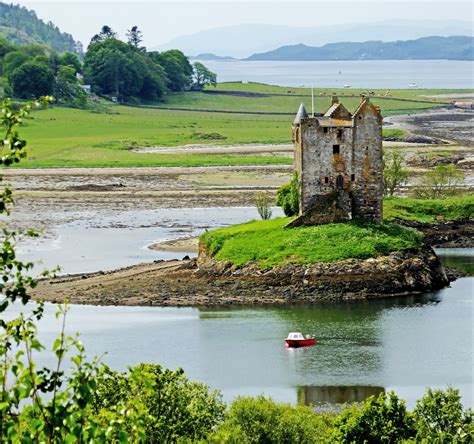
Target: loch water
363	347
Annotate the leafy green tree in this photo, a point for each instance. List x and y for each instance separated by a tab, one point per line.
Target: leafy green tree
203	76
67	88
12	61
70	59
440	417
134	37
394	174
174	407
382	419
178	70
288	197
32	79
441	181
261	420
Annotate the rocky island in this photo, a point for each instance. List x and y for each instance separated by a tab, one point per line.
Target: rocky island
337	247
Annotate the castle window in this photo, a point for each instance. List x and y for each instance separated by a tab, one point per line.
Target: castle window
339	133
325	130
326	179
336	149
353	177
340	182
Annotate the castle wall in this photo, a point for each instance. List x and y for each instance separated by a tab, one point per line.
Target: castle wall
320	167
367	146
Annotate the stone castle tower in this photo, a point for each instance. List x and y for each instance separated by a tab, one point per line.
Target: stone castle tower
338	158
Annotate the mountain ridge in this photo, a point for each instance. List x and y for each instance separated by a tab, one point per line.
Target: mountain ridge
425	48
244	40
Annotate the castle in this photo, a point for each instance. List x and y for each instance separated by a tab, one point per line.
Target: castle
338	158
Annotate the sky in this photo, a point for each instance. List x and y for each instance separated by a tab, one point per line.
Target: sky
161	21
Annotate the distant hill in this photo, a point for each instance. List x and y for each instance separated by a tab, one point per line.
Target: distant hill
21	26
209	56
246	39
426	48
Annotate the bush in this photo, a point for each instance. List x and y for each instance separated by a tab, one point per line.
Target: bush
382	419
288	197
263	203
174	408
261	420
441	181
440	417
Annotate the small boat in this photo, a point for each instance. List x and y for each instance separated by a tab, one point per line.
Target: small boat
296	339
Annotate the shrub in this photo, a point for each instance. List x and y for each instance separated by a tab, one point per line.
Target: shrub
382	419
261	420
288	197
174	407
440	417
263	205
441	181
394	175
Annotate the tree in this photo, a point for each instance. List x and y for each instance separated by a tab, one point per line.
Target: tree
394	175
440	417
203	76
263	204
70	59
67	88
288	197
134	36
105	33
12	61
178	70
441	181
382	419
32	79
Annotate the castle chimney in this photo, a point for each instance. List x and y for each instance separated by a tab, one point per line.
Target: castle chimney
335	99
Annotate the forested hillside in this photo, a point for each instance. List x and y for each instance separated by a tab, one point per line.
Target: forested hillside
21	26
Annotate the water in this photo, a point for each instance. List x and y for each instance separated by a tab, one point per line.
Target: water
363	347
106	242
390	74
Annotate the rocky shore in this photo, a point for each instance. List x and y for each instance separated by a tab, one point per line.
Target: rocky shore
205	282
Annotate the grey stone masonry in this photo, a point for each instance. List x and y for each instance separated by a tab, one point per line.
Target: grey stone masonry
338	158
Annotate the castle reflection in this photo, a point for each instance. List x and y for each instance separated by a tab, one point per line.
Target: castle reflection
335	394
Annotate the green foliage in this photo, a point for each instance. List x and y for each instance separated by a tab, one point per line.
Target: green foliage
441	181
261	420
382	419
118	69
263	204
393	134
203	76
394	174
269	243
429	210
32	79
174	407
441	418
178	70
22	26
288	197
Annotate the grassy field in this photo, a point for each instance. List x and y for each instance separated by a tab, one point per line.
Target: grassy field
62	137
429	210
268	243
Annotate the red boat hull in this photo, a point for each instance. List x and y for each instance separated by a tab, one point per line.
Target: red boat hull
300	342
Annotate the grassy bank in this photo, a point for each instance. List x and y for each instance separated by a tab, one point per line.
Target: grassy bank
61	137
429	210
268	243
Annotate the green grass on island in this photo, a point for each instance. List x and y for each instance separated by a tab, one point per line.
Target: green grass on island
268	243
429	210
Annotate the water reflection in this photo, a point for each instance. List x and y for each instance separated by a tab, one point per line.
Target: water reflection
335	394
458	258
